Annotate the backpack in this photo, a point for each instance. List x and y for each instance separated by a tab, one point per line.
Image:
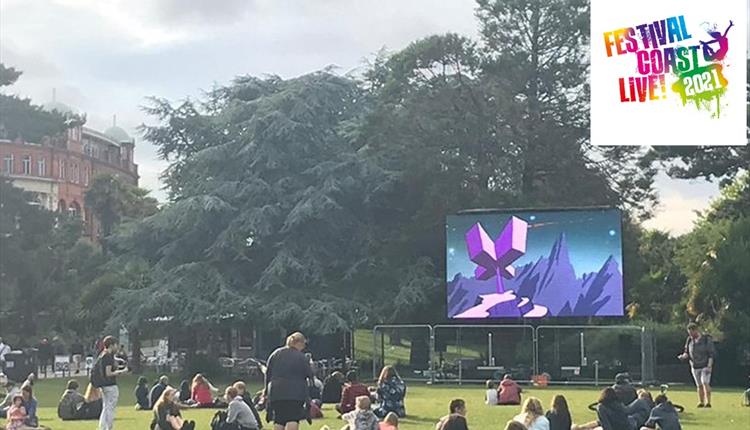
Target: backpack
219	422
97	373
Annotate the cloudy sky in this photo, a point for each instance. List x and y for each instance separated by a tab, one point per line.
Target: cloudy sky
104	57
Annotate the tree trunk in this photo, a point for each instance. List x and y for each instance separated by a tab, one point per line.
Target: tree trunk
395	337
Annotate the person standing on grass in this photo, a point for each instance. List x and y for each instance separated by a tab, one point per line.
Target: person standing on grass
108	383
285	388
700	352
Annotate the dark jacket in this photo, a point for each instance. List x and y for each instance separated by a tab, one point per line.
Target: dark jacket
287	374
155	393
248	399
665	415
332	390
639	410
625	392
612	416
141	397
558	421
69	403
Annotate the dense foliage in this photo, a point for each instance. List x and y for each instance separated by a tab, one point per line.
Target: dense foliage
318	202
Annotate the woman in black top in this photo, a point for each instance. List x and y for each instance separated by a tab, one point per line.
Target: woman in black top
167	413
332	387
287	375
610	412
559	414
141	395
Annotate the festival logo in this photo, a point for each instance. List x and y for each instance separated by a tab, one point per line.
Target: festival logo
671	72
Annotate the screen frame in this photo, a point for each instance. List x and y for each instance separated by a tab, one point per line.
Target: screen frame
546	319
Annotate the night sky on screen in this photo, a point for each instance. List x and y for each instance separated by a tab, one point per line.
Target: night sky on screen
591	237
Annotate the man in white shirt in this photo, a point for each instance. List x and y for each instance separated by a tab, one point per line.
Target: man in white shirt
4	349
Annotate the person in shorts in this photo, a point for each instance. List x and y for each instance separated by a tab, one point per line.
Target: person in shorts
287	376
700	351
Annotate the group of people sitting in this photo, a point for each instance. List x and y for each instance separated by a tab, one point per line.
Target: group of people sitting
642	413
507	392
166	402
19	406
389	394
200	393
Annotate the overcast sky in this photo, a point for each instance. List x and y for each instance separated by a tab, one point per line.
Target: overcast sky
104	57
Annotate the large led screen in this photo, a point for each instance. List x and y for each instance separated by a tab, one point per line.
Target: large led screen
534	264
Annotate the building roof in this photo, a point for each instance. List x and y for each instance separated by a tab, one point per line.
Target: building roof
118	134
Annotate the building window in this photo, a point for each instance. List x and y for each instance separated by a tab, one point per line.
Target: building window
86	176
62	169
76	174
8	164
42	167
26	164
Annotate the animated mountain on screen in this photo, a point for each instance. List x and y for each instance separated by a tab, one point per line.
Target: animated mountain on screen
547	287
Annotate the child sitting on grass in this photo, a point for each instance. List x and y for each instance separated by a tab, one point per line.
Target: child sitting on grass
490	396
16	414
361	418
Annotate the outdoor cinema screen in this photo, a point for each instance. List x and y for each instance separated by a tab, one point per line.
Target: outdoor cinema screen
534	264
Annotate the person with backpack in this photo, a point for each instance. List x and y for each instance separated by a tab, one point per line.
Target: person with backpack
104	376
700	351
239	413
248	399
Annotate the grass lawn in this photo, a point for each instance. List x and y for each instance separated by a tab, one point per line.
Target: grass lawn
424	405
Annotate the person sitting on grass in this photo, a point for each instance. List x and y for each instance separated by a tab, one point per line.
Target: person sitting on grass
202	393
167	413
532	415
30	404
16	414
639	409
249	401
332	387
610	413
559	414
390	422
391	392
156	390
184	393
70	402
514	425
351	391
238	412
12	391
142	402
509	392
490	396
361	418
624	389
456	420
663	414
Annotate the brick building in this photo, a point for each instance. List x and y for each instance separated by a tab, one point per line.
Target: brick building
59	170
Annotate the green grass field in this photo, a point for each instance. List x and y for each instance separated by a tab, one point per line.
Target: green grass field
425	405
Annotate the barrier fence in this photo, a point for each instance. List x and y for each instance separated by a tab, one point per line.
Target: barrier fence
564	354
